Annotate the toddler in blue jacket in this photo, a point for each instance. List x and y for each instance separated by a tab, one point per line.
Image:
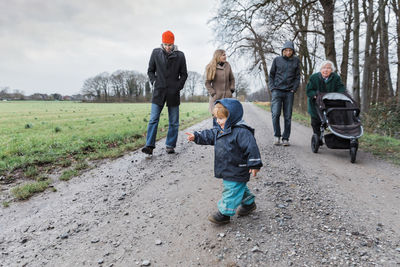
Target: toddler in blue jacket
236	157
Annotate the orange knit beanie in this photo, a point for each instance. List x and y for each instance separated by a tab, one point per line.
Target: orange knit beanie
168	37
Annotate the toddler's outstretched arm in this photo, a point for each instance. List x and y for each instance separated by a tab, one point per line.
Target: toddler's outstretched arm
204	137
190	136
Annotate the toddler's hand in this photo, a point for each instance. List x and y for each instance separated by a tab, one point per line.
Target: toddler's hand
254	171
190	136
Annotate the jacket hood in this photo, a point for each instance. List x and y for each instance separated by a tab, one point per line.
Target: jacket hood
235	111
289	44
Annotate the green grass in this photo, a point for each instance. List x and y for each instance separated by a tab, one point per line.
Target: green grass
384	147
27	190
37	136
387	148
68	174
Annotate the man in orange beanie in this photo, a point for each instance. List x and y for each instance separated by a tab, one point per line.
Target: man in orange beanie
167	73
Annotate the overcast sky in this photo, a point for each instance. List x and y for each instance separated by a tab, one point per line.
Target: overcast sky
52	46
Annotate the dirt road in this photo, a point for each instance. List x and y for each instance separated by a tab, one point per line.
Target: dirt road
313	210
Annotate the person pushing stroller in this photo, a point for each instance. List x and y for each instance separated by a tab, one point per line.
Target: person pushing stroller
236	157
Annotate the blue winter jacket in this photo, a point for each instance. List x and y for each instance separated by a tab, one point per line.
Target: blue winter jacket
285	72
235	148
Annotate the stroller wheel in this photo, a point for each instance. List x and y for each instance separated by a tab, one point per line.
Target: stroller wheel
353	154
315	143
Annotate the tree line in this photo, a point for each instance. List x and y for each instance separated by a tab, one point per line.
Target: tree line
361	37
133	86
127	86
6	93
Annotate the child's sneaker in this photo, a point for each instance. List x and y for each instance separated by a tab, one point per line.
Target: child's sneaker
219	218
245	210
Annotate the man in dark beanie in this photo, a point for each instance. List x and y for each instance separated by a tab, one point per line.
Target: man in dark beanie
284	78
167	73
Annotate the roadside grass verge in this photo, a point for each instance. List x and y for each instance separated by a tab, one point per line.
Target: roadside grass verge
25	191
38	137
384	147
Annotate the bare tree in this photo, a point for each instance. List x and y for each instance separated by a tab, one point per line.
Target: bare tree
356	53
385	81
4	92
366	86
242	86
301	22
329	31
348	20
396	9
192	82
240	27
103	82
135	84
91	88
117	82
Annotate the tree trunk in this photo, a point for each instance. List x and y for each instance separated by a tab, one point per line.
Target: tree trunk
346	45
263	64
329	32
381	88
367	63
300	24
374	79
396	8
356	53
384	48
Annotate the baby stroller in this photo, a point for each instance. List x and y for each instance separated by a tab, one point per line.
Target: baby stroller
340	114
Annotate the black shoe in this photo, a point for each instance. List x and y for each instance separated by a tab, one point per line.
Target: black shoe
219	218
147	150
320	143
170	150
245	210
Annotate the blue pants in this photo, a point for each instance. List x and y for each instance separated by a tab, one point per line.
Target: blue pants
279	99
173	125
234	194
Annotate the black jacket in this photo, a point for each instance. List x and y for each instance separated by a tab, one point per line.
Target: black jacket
167	73
235	148
285	72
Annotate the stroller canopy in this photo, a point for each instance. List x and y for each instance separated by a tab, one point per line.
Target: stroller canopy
337	96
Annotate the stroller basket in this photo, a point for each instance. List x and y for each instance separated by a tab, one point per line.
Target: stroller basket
335	142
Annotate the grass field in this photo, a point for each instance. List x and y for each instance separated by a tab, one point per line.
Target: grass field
385	147
36	137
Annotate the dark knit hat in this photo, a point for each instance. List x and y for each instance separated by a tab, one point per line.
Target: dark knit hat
168	37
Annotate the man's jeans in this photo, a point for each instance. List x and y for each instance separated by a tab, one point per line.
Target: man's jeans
173	125
282	99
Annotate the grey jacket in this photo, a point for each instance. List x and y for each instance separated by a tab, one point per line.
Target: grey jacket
285	72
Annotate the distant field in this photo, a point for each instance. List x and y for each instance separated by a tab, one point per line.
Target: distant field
38	136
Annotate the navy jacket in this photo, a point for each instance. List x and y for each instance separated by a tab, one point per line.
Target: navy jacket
235	148
285	72
167	73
